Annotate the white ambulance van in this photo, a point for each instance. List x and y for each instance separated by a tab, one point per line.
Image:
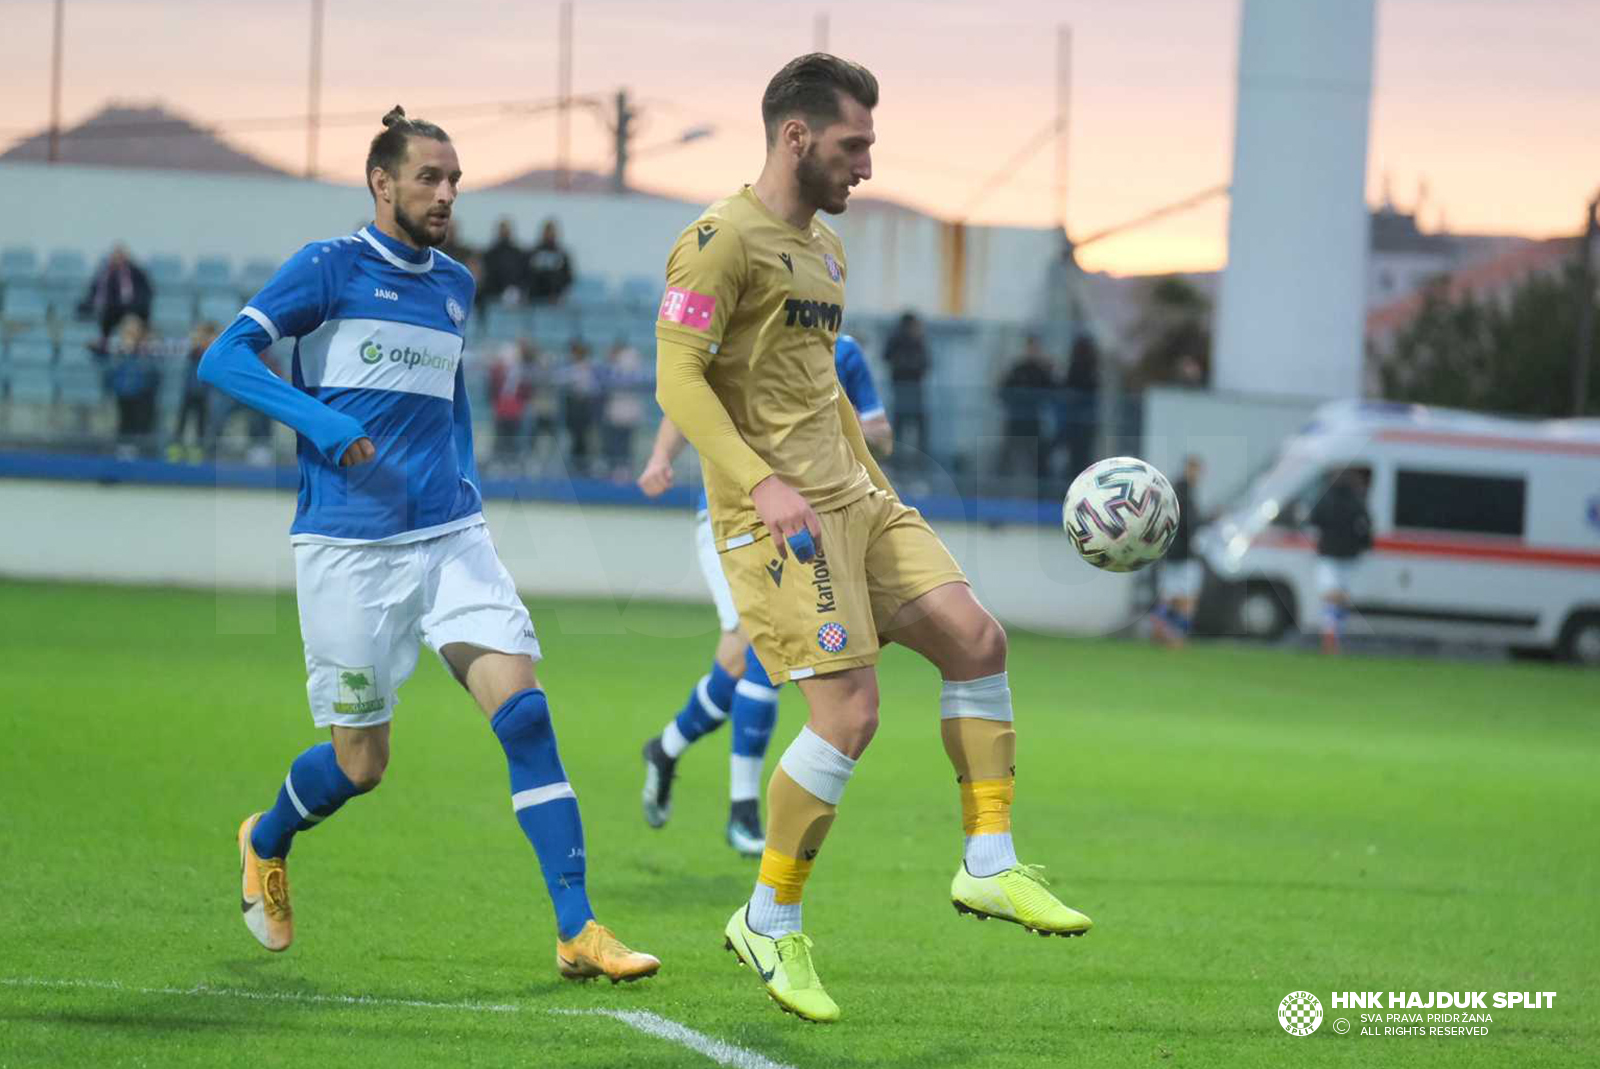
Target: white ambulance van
1485	530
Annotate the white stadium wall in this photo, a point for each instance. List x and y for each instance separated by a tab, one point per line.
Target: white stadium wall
898	259
1293	299
231	539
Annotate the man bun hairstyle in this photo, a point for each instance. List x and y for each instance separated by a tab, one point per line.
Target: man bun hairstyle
388	149
809	86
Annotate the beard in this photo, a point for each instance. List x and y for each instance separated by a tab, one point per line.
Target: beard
417	230
815	185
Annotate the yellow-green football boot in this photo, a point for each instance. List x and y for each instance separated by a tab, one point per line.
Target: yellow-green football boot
1018	895
785	967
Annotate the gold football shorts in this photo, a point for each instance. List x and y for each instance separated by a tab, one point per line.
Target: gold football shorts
824	616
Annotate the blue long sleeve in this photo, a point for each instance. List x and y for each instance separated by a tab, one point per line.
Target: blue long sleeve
463	430
232	365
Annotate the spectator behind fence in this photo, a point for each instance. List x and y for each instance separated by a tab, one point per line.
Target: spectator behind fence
1344	533
1025	392
1078	408
906	354
511	383
195	405
580	387
134	380
626	382
505	267
549	271
1178	576
119	288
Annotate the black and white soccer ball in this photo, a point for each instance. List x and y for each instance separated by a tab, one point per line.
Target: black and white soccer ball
1121	514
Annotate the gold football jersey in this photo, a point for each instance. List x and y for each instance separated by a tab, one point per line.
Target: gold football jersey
765	300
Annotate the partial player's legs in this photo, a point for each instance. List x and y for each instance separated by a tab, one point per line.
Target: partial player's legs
802	798
754	715
706	710
948	627
320	780
354	623
1333	582
507	690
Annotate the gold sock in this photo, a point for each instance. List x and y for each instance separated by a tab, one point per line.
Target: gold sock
797	822
984	753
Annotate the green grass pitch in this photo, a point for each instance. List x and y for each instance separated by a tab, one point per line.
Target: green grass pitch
1240	823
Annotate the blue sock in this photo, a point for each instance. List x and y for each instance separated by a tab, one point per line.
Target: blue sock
705	711
755	714
313	790
545	805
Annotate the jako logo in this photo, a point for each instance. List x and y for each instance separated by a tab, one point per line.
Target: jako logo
373	353
387	295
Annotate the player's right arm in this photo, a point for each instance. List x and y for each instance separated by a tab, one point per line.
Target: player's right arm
294	303
704	283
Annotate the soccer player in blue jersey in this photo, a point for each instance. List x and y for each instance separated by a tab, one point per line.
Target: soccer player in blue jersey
737	687
389	539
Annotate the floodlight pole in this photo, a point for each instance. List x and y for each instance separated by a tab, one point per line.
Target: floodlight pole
54	155
564	95
1063	116
314	90
1583	355
819	34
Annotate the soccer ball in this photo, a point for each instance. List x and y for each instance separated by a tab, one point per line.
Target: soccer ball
1121	514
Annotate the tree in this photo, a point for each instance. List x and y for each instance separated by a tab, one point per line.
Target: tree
356	681
1513	356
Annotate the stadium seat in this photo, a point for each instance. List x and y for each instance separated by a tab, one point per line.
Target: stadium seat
254	275
28	372
213	272
172	311
80	384
587	292
18	262
165	272
68	267
641	291
24	305
221	308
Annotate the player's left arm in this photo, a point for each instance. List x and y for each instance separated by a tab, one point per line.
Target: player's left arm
856	378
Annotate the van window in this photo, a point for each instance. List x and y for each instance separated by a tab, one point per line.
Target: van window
1476	504
1296	508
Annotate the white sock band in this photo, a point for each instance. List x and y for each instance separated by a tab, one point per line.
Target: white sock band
672	741
744	778
812	762
988	698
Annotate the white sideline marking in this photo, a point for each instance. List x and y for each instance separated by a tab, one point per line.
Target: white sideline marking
719	1051
264	996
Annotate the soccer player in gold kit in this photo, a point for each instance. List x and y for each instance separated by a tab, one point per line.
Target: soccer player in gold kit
745	340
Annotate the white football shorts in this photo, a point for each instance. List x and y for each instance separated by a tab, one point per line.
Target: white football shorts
1334	574
711	567
1179	579
365	608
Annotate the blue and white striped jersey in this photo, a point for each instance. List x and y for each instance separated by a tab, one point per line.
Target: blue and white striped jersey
378	349
850	363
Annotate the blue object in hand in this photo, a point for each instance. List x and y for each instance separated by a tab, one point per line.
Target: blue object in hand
804	548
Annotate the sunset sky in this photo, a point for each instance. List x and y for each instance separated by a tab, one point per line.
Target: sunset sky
1492	103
